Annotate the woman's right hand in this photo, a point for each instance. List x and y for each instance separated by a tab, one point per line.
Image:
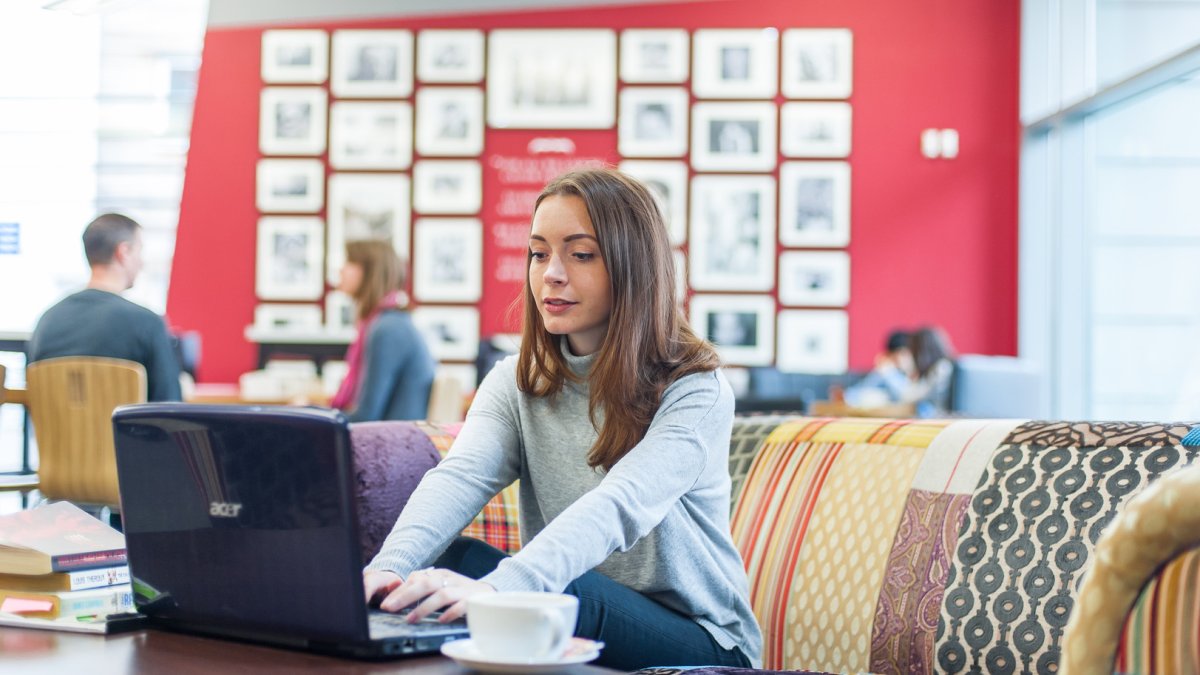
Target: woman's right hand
379	584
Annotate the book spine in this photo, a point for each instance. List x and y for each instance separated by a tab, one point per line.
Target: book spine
81	561
96	602
99	577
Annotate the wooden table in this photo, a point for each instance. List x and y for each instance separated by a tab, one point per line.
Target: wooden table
38	652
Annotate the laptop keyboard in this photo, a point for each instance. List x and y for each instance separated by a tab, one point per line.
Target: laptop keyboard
387	624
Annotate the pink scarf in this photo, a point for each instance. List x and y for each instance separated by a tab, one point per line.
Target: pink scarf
347	394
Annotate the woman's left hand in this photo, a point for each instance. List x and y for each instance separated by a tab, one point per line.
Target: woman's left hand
436	589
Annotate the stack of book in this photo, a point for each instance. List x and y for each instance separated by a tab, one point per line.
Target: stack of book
61	568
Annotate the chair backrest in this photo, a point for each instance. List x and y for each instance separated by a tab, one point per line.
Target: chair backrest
71	400
998	386
445	400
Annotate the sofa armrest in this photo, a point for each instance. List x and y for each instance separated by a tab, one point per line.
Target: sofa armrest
1155	526
390	458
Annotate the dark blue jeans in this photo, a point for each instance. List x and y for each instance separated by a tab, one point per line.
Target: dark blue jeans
637	632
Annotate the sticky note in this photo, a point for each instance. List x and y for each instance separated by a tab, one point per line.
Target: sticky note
25	605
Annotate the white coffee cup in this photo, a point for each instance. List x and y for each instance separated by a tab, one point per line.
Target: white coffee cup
518	625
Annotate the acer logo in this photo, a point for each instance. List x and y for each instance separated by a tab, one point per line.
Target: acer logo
224	510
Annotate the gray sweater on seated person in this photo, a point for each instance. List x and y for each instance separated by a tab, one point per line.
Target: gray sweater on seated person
658	522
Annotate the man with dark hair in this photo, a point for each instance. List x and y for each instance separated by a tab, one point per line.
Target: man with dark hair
97	321
891	379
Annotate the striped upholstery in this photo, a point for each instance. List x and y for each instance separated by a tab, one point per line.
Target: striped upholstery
1162	632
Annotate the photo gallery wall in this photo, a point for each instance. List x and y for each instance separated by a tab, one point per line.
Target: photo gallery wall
379	134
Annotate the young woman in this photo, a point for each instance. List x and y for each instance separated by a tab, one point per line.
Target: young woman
390	369
616	419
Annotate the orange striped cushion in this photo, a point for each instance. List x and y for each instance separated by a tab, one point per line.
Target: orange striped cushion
1162	631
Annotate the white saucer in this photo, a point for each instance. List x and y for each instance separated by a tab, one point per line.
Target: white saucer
467	655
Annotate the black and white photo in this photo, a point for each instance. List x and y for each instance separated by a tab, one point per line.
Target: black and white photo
668	182
735	63
815	129
292	120
449	56
733	136
340	313
817	63
372	64
289	258
370	135
295	56
290	185
813	341
450	121
732	240
287	318
447	260
552	79
654	56
653	122
367	206
742	327
452	333
814	204
447	186
814	279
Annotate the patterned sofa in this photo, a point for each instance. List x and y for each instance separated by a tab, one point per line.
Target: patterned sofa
905	546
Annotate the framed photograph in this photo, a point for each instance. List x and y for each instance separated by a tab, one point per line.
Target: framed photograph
733	136
452	333
814	129
447	260
370	135
741	326
290	185
735	63
465	373
291	120
366	206
450	121
653	122
289	257
340	313
817	63
681	284
814	204
552	79
667	181
813	341
814	278
372	64
732	244
447	186
450	57
287	318
654	56
295	56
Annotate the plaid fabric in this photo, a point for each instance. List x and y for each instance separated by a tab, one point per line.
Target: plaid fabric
1161	630
496	524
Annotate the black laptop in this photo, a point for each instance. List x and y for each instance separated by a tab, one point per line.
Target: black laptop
240	522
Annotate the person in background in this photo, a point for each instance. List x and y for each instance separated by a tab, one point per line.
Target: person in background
390	371
616	418
891	378
933	371
97	321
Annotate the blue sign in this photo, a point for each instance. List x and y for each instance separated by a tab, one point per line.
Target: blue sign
10	238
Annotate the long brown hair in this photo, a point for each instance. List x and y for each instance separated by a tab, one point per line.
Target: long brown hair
648	345
382	272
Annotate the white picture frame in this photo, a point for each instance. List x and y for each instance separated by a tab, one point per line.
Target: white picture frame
814	204
654	55
814	278
653	122
371	135
450	121
815	129
813	341
341	314
295	56
451	333
292	120
290	253
372	64
447	259
289	185
741	327
447	187
740	63
552	79
367	206
681	283
289	318
817	63
731	245
667	181
734	136
466	374
450	56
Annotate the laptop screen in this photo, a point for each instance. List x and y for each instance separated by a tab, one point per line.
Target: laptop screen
241	519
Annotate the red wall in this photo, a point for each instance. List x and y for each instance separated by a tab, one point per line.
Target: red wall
932	241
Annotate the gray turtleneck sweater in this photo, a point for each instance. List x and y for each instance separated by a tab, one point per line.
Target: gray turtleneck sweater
658	522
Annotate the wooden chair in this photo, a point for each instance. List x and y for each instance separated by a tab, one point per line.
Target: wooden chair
71	400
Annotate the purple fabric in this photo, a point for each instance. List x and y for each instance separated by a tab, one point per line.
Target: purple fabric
722	670
390	458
